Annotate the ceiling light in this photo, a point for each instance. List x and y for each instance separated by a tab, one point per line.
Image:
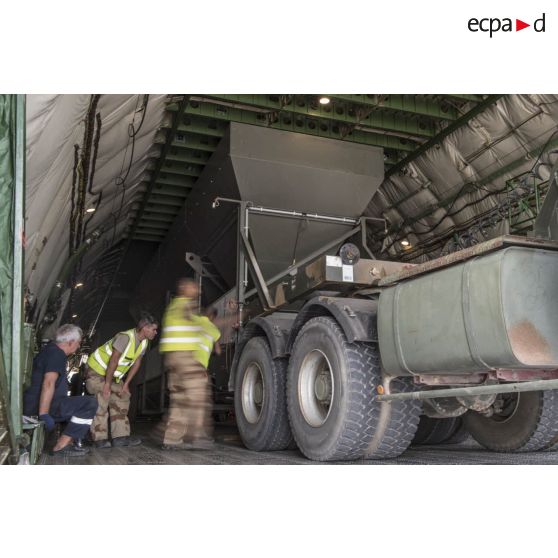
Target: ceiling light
405	243
90	210
74	315
78	285
325	100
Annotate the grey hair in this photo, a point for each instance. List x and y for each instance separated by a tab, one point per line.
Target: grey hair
68	333
146	319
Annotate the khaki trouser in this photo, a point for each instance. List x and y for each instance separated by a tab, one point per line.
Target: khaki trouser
189	414
116	406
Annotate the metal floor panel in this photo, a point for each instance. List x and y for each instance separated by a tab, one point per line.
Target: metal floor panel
230	451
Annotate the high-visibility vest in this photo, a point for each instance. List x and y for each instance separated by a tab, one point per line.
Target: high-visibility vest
179	333
209	336
99	359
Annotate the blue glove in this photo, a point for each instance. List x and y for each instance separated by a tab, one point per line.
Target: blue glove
49	422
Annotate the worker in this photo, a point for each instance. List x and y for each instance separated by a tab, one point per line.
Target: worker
110	370
185	425
47	396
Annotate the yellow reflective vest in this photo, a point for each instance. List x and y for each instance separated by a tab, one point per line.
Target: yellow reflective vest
99	359
178	332
209	335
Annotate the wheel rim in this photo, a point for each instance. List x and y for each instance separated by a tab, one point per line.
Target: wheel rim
252	393
509	408
315	388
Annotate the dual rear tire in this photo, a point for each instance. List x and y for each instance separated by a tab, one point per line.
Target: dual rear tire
329	404
325	399
522	422
526	421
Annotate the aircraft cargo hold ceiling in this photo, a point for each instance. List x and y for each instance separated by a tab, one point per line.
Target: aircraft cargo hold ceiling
108	175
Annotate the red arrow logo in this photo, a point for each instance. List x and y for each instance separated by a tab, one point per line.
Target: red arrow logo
519	25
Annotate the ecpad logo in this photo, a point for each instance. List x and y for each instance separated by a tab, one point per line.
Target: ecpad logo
492	25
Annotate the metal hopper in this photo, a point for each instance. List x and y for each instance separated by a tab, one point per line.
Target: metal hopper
281	170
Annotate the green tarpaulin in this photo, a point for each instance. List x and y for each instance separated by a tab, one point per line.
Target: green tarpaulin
7	186
12	153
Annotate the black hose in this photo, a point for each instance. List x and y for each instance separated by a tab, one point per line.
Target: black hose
72	212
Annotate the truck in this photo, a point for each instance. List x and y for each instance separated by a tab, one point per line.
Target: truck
339	353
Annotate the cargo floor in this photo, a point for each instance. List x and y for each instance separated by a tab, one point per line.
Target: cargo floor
230	451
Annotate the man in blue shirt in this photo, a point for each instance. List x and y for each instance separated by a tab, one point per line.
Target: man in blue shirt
47	396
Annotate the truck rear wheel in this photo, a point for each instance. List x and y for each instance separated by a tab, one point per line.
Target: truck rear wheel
259	398
526	421
330	392
432	431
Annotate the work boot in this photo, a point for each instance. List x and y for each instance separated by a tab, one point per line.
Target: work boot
120	441
101	444
71	451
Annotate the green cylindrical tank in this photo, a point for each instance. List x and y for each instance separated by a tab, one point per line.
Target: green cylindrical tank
496	311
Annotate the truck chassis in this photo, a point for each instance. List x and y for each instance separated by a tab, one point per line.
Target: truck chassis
322	350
